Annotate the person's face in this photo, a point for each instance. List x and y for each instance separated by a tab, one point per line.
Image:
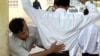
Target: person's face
24	34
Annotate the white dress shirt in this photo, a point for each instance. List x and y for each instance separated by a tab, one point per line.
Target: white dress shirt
89	39
60	25
74	50
89	36
19	47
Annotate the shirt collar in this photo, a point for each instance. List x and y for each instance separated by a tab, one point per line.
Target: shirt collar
60	10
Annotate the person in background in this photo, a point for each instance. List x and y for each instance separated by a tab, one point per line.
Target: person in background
88	40
36	4
23	38
60	25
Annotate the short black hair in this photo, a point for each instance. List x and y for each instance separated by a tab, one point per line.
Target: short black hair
16	25
62	2
86	11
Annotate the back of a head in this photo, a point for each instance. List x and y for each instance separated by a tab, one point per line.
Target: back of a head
36	0
62	2
16	25
86	12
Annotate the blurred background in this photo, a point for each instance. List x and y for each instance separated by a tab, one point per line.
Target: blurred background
16	10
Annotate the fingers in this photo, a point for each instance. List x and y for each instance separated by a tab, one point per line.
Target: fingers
55	43
61	46
56	47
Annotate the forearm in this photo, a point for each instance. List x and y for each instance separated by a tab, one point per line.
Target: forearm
42	53
91	8
93	14
93	11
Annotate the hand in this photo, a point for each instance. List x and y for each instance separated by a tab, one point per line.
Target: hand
83	1
56	48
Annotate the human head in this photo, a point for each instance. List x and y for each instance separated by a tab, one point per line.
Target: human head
36	0
86	12
19	28
61	3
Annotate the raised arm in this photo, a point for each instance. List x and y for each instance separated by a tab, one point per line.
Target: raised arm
92	16
33	13
40	6
93	12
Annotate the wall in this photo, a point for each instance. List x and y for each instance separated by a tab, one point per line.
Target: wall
18	11
4	28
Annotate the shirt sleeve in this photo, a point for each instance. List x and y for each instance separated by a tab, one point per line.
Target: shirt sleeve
18	50
33	13
35	36
93	11
38	41
80	20
93	15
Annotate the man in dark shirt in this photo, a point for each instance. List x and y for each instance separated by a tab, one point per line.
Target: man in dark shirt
36	4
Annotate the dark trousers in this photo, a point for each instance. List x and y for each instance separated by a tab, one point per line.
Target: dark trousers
64	53
86	54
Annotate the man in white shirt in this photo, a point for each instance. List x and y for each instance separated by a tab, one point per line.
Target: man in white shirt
89	40
60	25
24	37
88	34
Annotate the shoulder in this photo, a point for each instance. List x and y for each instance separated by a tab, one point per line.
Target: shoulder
11	37
14	41
32	29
